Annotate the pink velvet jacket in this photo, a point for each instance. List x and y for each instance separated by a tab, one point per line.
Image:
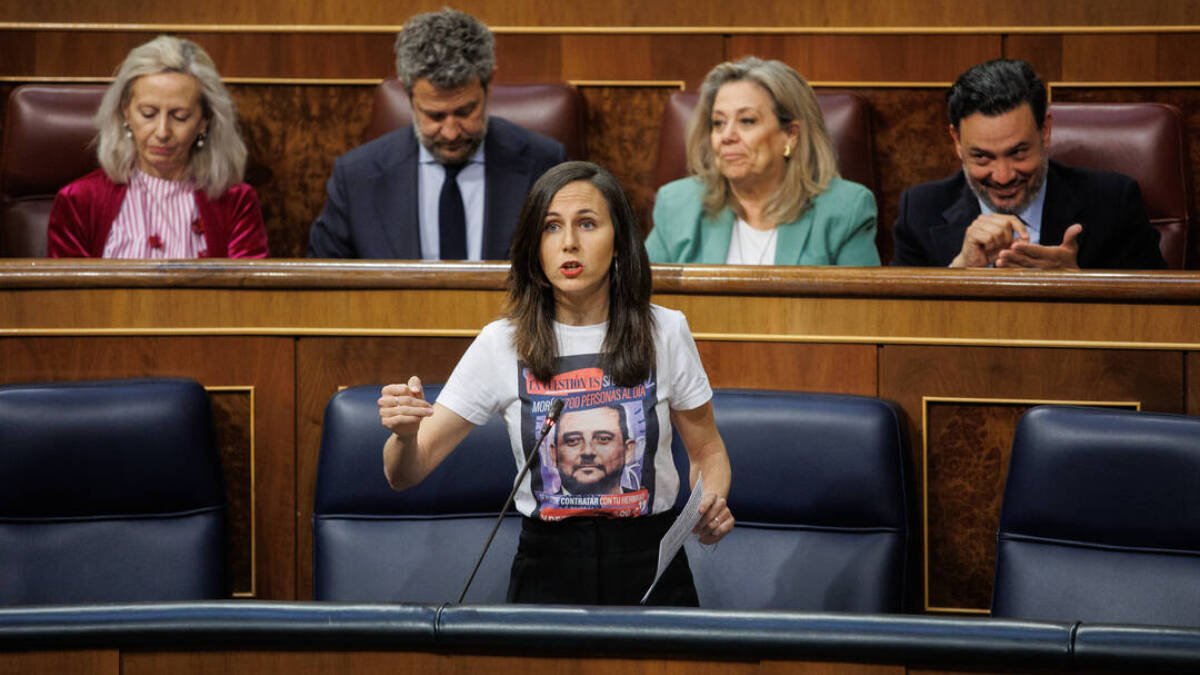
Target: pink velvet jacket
84	212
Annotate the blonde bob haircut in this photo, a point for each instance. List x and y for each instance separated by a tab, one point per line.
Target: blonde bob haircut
813	163
212	168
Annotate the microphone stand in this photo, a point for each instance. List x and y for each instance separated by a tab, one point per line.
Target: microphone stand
556	407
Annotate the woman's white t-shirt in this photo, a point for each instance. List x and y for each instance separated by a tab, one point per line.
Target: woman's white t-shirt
615	462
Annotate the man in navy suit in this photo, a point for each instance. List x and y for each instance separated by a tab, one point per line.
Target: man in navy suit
451	186
1011	206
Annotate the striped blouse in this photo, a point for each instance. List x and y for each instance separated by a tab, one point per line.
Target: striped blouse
158	219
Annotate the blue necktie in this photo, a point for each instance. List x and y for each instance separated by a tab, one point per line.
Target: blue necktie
452	217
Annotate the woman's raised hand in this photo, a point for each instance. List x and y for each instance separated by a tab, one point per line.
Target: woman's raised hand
403	406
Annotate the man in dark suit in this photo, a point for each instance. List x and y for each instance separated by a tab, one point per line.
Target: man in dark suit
1011	206
449	187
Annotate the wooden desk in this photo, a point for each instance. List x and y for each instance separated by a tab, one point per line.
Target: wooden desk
962	352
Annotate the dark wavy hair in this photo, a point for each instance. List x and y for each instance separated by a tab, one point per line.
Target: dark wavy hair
994	88
628	349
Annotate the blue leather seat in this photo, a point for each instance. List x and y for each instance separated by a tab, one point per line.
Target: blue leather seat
371	543
820	500
110	491
1101	518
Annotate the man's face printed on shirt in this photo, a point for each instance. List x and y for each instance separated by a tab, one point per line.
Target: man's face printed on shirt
591	451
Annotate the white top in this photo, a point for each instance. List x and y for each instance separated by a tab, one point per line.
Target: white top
748	246
489	380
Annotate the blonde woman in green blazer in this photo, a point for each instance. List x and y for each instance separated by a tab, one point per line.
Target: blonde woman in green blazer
765	189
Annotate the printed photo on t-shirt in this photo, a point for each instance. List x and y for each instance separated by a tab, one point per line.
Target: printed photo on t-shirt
599	459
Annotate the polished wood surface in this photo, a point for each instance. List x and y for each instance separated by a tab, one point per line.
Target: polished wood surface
877	58
312	662
1192	365
884	283
959	351
77	662
882	13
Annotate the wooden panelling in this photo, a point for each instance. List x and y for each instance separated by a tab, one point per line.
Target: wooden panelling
520	57
294	134
1192	370
262	363
56	53
18	52
871	58
1045	52
1109	57
842	369
884	13
775	318
325	365
967	445
641	57
789	668
1131	58
529	58
369	663
289	662
622	128
233	419
900	334
966	465
79	662
911	145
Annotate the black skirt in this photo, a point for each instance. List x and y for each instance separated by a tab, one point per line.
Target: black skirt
598	561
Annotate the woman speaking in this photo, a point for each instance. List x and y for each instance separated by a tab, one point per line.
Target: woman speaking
580	328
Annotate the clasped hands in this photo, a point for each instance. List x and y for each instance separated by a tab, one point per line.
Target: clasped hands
1003	241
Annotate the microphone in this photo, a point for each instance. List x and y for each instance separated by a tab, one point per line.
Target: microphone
552	414
556	407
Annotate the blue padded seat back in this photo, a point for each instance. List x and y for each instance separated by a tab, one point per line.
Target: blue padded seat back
371	543
110	491
1101	518
819	496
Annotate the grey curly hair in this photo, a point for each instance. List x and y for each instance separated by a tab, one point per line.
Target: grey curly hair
448	48
214	167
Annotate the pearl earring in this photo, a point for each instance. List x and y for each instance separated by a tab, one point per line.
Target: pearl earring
201	138
128	131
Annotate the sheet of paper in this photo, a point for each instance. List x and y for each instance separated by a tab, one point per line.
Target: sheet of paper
673	540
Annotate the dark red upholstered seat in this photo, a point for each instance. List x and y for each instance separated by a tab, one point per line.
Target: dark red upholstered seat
48	136
1141	140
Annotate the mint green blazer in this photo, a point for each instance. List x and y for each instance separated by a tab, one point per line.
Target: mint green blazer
837	228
